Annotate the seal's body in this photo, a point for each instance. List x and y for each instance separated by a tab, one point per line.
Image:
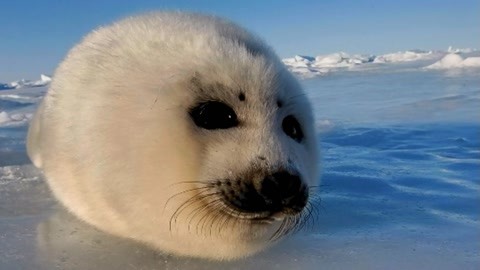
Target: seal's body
179	130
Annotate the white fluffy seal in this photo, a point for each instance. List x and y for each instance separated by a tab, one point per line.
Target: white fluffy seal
181	131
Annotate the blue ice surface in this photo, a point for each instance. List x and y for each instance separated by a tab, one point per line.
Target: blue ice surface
401	157
404	175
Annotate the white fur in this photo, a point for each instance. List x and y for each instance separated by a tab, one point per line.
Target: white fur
115	140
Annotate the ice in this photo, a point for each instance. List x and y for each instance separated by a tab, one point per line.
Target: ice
406	56
341	59
460	50
13	119
400	176
17	105
44	80
4	117
309	67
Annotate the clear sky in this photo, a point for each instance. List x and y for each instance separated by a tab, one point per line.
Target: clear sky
35	35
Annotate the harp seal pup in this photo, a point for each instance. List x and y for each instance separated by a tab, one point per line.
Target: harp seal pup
179	130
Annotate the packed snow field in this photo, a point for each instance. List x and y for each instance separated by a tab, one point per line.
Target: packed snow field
400	183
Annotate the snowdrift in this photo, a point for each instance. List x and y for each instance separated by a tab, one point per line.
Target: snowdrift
454	61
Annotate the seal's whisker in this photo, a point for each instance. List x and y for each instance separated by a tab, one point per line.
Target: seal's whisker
207	215
224	217
199	210
215	217
315	212
309	219
304	217
184	205
231	215
200	197
279	231
183	192
293	225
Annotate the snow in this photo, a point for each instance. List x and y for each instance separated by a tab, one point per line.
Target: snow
455	61
400	183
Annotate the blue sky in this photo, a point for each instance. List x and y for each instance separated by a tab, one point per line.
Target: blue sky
36	35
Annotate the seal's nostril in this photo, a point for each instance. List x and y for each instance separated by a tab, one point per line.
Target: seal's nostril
282	188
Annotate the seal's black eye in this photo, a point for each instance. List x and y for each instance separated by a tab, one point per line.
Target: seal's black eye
214	115
292	128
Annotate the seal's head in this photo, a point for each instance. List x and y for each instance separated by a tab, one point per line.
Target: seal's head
179	130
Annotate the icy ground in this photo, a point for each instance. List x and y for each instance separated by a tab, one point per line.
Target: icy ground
400	185
44	80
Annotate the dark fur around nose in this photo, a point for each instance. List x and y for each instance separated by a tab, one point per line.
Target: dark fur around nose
277	192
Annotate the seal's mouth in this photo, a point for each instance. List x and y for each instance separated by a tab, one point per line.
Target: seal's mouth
265	217
263	220
260	210
232	211
270	218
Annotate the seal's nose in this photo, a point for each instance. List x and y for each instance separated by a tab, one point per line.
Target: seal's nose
282	189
